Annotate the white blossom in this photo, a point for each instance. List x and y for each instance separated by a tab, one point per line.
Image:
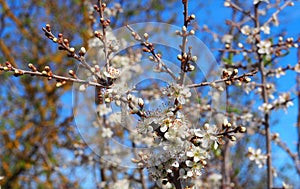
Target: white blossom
106	132
246	30
227	38
283	101
177	92
257	156
279	72
264	47
103	109
175	164
265	28
195	169
112	73
265	107
197	154
207	135
82	87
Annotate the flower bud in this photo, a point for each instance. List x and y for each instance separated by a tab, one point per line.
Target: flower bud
129	97
146	36
141	102
82	51
192	32
179	57
227	4
135	160
191	67
58	84
247	79
32	67
220	88
177	32
47	68
71	72
82	87
235	71
232	138
72	50
194	58
203	162
242	129
48	27
151	58
205	126
96	33
296	45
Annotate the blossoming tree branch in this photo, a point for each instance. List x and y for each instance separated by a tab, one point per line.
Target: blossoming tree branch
180	132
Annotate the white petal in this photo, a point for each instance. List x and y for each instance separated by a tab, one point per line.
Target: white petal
189	163
163	129
189	154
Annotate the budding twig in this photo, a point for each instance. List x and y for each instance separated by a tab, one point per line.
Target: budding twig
19	72
224	79
150	47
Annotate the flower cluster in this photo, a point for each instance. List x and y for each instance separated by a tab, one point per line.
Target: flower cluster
177	93
282	102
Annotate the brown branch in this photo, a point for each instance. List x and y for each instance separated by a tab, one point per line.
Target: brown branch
224	79
287	3
150	47
226	166
265	100
238	8
104	23
63	46
19	72
298	96
184	42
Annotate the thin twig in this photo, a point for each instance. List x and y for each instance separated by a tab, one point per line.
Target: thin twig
184	42
274	15
54	76
104	38
152	51
223	80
